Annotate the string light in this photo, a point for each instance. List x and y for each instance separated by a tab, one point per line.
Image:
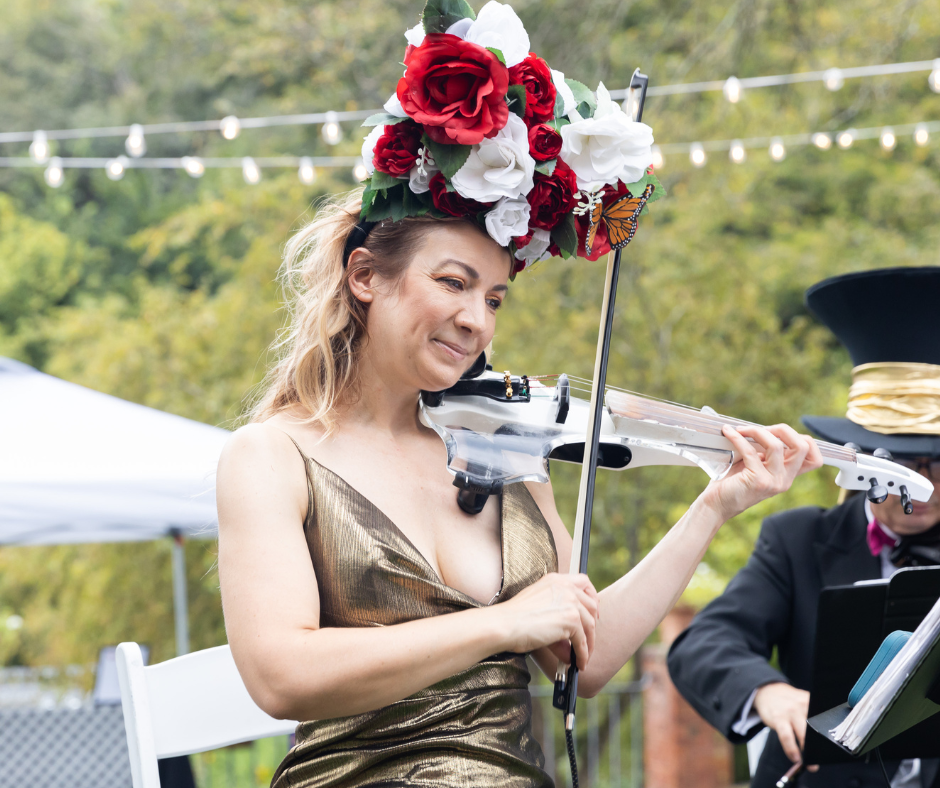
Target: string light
833	79
230	127
54	174
737	152
921	134
135	144
844	139
887	139
39	148
697	154
778	151
658	159
306	171
933	81
332	132
360	173
250	171
193	166
733	90
115	168
822	140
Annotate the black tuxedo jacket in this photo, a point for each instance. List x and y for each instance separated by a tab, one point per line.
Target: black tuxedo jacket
771	603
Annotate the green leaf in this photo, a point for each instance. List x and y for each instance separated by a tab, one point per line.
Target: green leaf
559	105
382	180
448	158
441	14
516	99
565	236
387	204
382	119
416	204
559	123
498	54
636	189
582	95
546	167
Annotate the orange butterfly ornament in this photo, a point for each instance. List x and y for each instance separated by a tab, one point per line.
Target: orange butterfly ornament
620	217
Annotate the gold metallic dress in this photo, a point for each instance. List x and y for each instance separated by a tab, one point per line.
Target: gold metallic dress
472	729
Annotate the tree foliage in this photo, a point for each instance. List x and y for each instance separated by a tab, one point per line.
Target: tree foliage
160	289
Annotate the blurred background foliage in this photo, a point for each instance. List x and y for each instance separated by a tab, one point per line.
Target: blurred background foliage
160	289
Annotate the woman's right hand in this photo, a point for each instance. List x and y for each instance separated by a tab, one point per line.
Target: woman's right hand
555	611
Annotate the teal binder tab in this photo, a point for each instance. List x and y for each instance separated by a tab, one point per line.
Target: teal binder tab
886	652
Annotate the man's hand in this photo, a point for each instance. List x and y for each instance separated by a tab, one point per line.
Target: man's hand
785	708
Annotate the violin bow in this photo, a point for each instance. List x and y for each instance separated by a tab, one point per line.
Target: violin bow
566	676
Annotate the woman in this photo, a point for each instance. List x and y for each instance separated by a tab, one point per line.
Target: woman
358	597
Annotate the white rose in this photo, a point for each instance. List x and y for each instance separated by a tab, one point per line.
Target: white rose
608	147
393	107
499	166
368	147
508	219
536	249
460	28
419	176
497	26
415	36
564	91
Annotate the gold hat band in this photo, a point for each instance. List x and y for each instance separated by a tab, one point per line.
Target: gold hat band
896	397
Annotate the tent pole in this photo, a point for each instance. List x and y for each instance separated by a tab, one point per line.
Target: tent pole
180	600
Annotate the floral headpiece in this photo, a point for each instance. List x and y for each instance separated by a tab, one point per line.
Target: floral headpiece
480	127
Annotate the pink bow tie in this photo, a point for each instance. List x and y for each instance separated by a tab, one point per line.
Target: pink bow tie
878	538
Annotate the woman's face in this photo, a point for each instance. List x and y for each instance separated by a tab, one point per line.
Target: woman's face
428	328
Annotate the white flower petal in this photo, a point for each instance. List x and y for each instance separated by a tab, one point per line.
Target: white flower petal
564	91
499	166
536	249
460	28
604	150
498	26
368	147
393	107
508	219
415	35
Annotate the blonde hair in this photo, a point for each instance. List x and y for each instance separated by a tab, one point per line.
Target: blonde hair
318	354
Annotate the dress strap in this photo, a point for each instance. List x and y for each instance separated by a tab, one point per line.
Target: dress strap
306	460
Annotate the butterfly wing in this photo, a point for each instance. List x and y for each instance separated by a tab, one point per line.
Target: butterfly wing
621	217
592	227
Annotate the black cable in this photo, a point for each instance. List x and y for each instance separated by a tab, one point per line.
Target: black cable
569	740
883	770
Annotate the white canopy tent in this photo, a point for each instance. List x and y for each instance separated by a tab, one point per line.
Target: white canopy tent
77	466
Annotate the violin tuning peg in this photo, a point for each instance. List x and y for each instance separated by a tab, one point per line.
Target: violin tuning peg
883	454
906	503
876	493
854	446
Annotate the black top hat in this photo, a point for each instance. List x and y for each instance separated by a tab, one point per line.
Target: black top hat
890	314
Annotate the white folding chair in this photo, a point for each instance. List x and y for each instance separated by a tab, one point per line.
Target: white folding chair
190	704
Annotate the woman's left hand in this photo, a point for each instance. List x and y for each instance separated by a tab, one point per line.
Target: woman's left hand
764	468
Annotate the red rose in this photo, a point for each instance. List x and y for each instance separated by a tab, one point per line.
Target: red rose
452	203
523	240
601	244
397	149
455	89
535	75
544	142
552	196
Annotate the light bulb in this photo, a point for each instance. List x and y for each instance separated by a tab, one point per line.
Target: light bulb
332	133
360	173
135	144
697	154
778	151
934	79
921	134
116	167
888	140
250	171
736	152
844	139
54	174
39	148
833	79
306	171
230	126
822	141
733	90
658	158
193	166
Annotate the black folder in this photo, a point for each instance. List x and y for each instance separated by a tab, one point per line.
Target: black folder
851	624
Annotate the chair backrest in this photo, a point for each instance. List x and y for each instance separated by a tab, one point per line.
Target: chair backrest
190	704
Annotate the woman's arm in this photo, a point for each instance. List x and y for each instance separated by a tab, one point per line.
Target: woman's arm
292	668
633	607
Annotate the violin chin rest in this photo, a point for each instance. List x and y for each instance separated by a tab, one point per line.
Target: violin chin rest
471	502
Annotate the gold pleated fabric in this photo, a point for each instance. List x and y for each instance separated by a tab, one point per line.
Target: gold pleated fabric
473	729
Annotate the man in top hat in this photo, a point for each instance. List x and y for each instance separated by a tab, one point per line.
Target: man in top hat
888	321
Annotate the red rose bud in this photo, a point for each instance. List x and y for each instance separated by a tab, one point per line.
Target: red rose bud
552	196
522	241
544	142
534	74
452	203
397	149
455	89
